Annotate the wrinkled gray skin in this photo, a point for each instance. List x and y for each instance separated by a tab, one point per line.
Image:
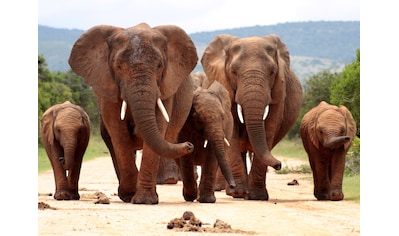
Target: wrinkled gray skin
65	133
327	132
210	120
138	65
257	73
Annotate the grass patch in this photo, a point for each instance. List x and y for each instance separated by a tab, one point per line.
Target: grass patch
301	169
351	188
96	148
290	149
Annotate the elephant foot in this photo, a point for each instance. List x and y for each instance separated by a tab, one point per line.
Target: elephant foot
336	196
220	186
168	172
170	180
207	198
240	191
258	194
145	197
220	183
66	195
190	196
125	196
322	196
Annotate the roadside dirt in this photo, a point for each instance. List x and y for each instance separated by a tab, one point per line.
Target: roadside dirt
291	209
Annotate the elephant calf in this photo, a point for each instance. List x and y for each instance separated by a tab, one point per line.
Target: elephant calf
65	133
327	132
208	126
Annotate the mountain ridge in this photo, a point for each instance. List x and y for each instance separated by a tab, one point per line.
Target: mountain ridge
313	45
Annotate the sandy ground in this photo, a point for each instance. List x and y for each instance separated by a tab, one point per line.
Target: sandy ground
291	210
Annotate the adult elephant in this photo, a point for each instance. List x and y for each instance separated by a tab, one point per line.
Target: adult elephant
133	71
209	126
266	98
327	132
65	133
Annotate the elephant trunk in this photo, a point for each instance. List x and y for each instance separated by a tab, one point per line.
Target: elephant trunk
219	151
336	141
255	101
143	105
69	155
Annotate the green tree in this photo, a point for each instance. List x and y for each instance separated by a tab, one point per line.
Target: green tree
316	88
54	88
346	90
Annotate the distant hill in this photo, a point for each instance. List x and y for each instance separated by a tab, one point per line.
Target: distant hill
313	46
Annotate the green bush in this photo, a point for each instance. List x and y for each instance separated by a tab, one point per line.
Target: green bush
352	163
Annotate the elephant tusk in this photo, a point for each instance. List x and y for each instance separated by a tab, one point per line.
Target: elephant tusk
205	143
266	112
227	142
239	112
123	110
163	110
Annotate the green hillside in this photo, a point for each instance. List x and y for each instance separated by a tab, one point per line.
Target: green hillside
313	46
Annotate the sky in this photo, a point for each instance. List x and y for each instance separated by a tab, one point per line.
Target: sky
193	16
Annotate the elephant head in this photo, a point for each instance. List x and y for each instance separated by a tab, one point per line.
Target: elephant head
65	127
137	67
330	126
256	72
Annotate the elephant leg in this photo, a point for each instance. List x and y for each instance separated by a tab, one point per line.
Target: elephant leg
208	176
336	175
236	164
257	181
320	168
61	182
123	149
74	173
108	143
220	181
168	171
190	188
146	188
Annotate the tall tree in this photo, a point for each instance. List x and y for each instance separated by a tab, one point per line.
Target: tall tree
346	90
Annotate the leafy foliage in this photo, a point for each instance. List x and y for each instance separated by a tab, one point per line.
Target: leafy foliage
346	90
55	88
352	163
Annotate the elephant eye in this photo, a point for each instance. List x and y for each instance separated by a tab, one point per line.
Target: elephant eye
342	130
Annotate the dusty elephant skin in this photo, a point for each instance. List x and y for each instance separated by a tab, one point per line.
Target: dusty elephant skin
65	133
327	132
209	127
266	98
133	71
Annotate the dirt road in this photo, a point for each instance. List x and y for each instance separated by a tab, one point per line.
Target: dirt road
291	210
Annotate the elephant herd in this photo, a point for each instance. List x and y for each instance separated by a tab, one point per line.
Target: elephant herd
149	99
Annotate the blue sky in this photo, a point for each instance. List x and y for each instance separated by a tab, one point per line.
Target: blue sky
193	16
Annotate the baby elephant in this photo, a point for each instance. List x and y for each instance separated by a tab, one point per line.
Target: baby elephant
209	126
327	132
65	133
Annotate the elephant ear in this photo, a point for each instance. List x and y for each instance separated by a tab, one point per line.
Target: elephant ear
309	122
284	73
223	94
47	123
350	125
89	59
181	58
214	59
